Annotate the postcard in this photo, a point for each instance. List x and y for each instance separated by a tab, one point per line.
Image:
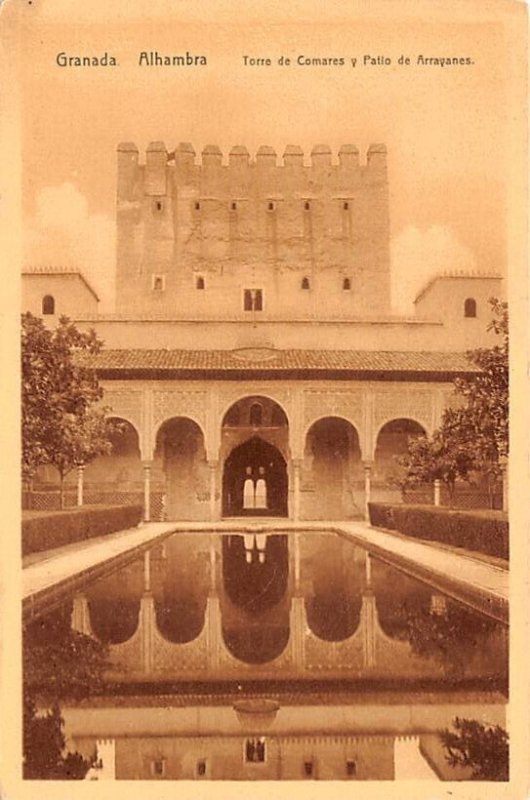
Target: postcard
265	477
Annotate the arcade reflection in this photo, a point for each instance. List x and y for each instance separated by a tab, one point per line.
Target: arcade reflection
278	656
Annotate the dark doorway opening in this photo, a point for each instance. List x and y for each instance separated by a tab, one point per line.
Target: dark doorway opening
255	482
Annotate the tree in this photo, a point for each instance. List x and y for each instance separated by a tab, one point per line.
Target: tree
483	748
43	747
60	423
473	437
440	457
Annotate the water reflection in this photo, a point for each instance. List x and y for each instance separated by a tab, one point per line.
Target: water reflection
338	665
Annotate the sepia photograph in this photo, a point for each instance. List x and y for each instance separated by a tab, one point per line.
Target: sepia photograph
271	271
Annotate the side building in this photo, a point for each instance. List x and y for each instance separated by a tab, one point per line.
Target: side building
253	353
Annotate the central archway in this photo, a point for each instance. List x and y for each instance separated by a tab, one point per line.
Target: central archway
255	482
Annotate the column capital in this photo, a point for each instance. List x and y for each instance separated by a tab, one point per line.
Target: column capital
213	463
297	462
368	464
147	464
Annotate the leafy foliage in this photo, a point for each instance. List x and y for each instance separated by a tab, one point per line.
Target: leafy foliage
60	662
473	437
483	748
44	746
60	423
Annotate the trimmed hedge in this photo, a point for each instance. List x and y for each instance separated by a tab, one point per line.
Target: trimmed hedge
484	531
57	528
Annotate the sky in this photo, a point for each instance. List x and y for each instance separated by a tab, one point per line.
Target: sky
448	129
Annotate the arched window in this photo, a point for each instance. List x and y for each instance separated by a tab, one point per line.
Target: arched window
470	307
345	205
307	205
234	206
305	283
270	206
48	304
199	283
346	285
256	415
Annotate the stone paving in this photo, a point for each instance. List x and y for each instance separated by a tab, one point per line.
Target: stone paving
462	574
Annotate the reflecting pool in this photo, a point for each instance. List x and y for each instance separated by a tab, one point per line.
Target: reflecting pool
262	656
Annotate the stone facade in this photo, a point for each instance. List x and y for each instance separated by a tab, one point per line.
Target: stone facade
254	283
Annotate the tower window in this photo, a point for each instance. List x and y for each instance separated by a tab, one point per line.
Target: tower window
470	307
197	206
234	206
253	300
270	206
345	205
255	751
308	769
351	767
305	283
199	283
158	767
158	283
307	205
201	768
158	206
346	285
48	304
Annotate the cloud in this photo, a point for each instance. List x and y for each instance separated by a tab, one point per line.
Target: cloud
63	233
418	255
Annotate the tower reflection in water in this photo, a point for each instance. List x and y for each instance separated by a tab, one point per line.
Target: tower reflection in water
278	656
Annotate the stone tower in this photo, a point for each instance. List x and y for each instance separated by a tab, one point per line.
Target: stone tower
284	241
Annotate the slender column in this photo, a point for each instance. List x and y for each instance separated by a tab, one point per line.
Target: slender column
368	627
368	571
80	480
437	486
81	615
147	490
296	562
147	571
297	624
367	487
212	466
296	481
213	568
214	634
147	622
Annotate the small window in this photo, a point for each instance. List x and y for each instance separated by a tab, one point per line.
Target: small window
253	300
270	206
470	307
201	768
308	769
158	206
158	767
256	415
255	751
233	206
351	768
345	205
48	304
307	205
346	285
197	206
305	283
199	283
159	283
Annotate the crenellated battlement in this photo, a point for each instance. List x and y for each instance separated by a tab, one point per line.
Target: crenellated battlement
197	226
321	155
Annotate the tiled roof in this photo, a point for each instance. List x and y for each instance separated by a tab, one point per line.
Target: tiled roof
268	360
